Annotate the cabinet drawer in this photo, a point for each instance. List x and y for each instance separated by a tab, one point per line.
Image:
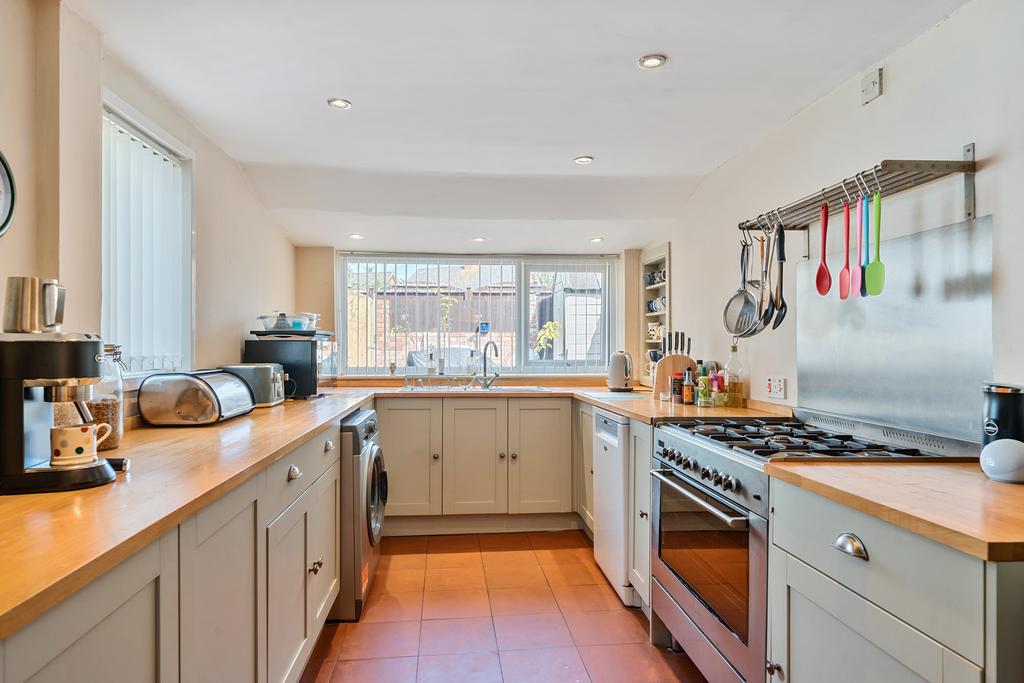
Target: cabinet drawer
935	589
311	459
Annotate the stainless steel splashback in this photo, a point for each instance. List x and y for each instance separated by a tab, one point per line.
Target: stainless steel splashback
916	356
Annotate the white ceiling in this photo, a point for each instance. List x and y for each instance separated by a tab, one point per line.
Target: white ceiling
466	111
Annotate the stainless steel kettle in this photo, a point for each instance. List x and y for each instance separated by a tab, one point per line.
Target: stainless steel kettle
33	304
620	372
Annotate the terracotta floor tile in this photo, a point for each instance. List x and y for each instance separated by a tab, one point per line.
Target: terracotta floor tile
545	540
403	545
586	598
479	667
382	607
318	671
605	628
404	561
637	663
374	641
583	574
505	601
509	558
328	643
453	560
551	665
510	541
565	555
516	576
531	631
399	581
459	578
456	604
395	670
457	636
456	543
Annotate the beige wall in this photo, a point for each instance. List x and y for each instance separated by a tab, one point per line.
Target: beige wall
50	131
314	282
951	86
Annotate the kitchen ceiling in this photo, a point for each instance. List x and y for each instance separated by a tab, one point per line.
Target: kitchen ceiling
467	115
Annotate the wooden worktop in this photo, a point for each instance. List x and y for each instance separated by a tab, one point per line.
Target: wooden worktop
52	544
952	503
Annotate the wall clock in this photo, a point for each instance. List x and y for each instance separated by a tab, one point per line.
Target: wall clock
7	194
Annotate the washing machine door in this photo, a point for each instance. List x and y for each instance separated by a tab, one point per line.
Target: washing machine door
376	493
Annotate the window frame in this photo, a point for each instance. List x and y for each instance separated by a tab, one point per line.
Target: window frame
524	264
131	118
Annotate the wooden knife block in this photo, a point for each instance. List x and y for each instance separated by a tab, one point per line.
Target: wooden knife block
668	366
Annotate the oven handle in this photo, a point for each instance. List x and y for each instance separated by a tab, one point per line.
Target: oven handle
731	522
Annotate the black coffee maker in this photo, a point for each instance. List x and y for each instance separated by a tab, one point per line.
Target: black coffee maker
1004	413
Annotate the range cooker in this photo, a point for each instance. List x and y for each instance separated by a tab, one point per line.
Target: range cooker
709	541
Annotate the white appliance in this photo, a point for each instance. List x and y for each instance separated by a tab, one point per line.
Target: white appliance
364	493
620	372
611	501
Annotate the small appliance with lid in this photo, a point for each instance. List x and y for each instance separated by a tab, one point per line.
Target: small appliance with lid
265	379
1002	458
620	372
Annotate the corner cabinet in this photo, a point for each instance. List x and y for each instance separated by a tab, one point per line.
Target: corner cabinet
411	435
540	451
640	454
585	462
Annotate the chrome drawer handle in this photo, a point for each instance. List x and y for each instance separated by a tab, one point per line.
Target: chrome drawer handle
294	473
643	515
328	446
851	545
316	566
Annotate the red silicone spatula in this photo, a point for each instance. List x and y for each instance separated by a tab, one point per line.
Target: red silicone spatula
824	279
844	274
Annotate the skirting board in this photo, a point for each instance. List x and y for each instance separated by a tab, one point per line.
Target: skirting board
480	524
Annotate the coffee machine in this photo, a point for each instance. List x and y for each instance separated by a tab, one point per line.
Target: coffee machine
39	366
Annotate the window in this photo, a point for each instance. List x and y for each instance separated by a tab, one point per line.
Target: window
545	314
146	249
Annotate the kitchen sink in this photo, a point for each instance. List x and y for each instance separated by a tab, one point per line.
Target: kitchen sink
475	389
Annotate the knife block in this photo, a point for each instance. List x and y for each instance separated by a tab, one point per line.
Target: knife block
668	366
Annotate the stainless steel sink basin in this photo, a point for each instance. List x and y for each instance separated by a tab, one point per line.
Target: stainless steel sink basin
494	389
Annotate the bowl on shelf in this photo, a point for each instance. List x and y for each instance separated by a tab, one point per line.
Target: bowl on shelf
285	321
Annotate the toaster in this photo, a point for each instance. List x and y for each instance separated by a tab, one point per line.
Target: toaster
193	398
265	379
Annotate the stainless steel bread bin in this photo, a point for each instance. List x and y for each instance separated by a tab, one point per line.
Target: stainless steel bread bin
197	398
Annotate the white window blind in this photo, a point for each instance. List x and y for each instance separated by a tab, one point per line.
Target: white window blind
146	250
546	315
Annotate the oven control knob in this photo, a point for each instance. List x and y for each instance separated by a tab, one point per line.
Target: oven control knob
731	483
705	472
716	477
689	463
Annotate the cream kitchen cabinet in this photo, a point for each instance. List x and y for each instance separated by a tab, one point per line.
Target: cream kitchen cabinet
121	628
584	420
640	454
411	438
540	454
474	456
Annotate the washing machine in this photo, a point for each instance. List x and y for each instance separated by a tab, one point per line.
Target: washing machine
364	493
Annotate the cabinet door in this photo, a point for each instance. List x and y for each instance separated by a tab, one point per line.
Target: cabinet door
288	622
222	585
821	631
586	445
640	453
540	453
324	544
121	628
474	456
410	434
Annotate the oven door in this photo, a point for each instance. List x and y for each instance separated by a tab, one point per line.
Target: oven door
711	557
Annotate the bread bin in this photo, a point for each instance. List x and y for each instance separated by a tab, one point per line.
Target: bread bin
193	398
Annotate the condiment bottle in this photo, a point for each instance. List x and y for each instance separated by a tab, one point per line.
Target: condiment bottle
677	387
735	380
704	389
689	388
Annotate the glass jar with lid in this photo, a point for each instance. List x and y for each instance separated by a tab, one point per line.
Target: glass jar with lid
107	404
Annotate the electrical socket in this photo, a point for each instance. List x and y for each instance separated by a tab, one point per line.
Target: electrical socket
776	387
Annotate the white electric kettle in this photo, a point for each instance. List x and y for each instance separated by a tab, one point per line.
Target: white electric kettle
620	372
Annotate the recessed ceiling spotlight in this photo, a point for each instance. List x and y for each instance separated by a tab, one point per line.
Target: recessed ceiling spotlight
356	236
595	240
479	239
583	161
339	103
652	61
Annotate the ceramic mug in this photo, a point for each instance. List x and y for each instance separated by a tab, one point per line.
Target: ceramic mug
75	445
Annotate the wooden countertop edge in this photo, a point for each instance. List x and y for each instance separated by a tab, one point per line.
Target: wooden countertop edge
990	551
54	593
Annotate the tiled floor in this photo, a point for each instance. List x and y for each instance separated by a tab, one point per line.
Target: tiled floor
493	607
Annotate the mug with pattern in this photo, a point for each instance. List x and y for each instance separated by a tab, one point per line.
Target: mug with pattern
75	445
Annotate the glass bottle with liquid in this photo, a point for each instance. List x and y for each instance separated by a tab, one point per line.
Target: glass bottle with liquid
704	399
735	380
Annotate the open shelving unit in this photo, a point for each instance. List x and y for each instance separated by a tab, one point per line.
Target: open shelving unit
655	259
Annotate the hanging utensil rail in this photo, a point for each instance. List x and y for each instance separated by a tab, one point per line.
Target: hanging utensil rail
892	175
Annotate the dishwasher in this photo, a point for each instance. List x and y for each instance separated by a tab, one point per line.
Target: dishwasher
611	500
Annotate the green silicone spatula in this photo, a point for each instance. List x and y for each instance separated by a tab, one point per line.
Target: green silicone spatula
874	274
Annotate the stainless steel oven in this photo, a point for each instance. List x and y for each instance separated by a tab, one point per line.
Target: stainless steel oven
709	560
